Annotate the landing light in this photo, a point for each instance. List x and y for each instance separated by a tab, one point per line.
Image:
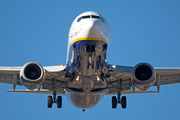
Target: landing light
77	79
61	65
98	79
113	66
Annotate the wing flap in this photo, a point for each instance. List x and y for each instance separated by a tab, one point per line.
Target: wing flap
42	91
165	82
129	92
9	81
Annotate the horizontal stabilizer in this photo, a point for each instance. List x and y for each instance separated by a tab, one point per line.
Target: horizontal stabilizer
42	91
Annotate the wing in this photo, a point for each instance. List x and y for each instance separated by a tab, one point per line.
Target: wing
54	78
8	74
122	75
167	75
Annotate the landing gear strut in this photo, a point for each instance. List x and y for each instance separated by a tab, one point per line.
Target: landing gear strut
117	100
51	100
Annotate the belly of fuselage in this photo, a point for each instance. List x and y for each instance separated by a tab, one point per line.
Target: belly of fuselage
84	101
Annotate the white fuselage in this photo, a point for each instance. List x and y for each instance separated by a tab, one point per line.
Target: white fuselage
88	29
89	37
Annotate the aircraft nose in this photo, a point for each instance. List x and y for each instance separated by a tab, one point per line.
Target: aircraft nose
91	28
91	24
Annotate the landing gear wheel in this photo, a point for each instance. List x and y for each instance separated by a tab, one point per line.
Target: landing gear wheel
123	102
49	102
114	102
59	102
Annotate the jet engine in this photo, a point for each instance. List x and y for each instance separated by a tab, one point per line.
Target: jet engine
32	75
143	76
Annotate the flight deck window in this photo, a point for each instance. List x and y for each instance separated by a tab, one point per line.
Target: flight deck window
84	17
79	19
94	16
88	16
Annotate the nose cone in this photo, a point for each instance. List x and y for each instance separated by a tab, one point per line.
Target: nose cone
91	29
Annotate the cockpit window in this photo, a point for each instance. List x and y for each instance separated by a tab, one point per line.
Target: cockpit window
94	16
84	17
90	16
79	19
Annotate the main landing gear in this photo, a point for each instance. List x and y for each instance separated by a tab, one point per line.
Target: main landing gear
115	101
51	100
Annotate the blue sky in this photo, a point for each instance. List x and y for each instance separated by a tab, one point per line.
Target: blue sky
141	31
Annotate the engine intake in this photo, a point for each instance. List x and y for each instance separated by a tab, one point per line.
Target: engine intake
32	75
32	71
143	76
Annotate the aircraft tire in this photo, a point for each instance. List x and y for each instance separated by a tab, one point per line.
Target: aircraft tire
123	102
59	102
114	102
49	102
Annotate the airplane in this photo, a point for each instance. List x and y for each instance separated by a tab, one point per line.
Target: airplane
87	77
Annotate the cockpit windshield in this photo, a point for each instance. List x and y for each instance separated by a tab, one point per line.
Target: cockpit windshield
90	16
84	17
94	16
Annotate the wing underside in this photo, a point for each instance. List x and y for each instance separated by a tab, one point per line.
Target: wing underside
119	76
54	78
122	75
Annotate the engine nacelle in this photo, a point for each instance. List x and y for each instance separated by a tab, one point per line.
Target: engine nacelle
32	75
143	76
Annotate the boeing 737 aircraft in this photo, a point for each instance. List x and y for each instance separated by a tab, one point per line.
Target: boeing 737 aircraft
87	77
